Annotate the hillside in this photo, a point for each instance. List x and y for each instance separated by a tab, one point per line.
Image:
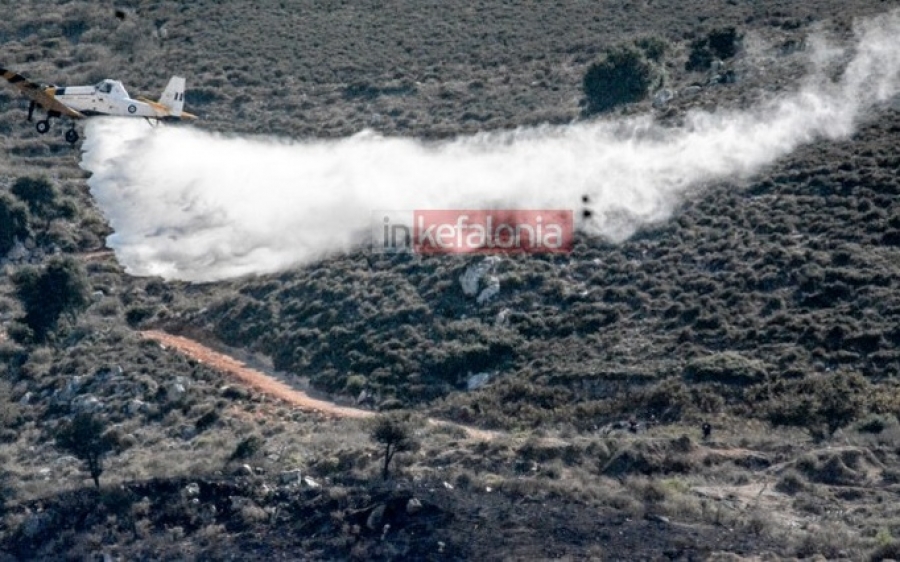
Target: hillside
766	305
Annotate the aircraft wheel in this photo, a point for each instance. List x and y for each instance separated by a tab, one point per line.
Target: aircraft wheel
71	136
42	126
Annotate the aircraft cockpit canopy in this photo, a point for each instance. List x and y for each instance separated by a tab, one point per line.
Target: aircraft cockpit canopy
110	86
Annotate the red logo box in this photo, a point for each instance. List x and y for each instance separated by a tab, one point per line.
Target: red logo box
493	231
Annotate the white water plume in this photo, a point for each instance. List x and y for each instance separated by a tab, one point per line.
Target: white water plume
199	206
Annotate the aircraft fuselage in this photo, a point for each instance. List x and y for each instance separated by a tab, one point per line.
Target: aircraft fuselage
109	97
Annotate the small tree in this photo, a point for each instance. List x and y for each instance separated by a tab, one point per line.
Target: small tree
623	76
395	434
38	193
43	200
84	438
59	288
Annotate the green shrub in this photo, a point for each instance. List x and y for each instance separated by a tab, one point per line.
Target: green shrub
248	447
42	199
137	314
50	292
791	483
700	57
719	43
654	48
355	384
820	403
38	193
13	223
727	367
207	420
623	76
723	42
875	424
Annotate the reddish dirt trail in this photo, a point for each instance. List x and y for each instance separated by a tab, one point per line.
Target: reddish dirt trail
273	387
253	378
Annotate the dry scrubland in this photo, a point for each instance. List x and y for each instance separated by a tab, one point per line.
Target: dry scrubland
768	308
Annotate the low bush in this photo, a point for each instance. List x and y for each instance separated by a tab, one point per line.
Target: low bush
718	44
623	76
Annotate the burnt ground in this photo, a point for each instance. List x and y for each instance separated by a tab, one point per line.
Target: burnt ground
446	525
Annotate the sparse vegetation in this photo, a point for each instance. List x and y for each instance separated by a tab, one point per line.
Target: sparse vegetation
767	307
85	437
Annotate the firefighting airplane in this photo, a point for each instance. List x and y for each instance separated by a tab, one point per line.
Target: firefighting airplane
105	98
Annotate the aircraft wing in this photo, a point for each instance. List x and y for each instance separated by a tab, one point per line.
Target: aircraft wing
39	94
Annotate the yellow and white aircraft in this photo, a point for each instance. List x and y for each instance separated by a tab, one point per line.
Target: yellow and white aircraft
105	98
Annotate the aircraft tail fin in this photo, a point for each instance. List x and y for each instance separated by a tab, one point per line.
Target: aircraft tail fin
173	96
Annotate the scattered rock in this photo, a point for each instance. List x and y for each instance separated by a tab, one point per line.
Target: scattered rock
73	386
291	477
391	404
176	390
662	97
656	518
19	253
240	502
477	381
36	524
489	292
252	513
375	518
365	398
135	407
471	279
192	490
87	403
413	506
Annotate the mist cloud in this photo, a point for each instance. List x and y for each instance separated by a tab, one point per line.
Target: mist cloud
199	206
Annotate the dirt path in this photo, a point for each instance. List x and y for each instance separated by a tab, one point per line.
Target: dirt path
273	387
253	378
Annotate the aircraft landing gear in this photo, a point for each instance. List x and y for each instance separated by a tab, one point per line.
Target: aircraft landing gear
42	126
72	136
